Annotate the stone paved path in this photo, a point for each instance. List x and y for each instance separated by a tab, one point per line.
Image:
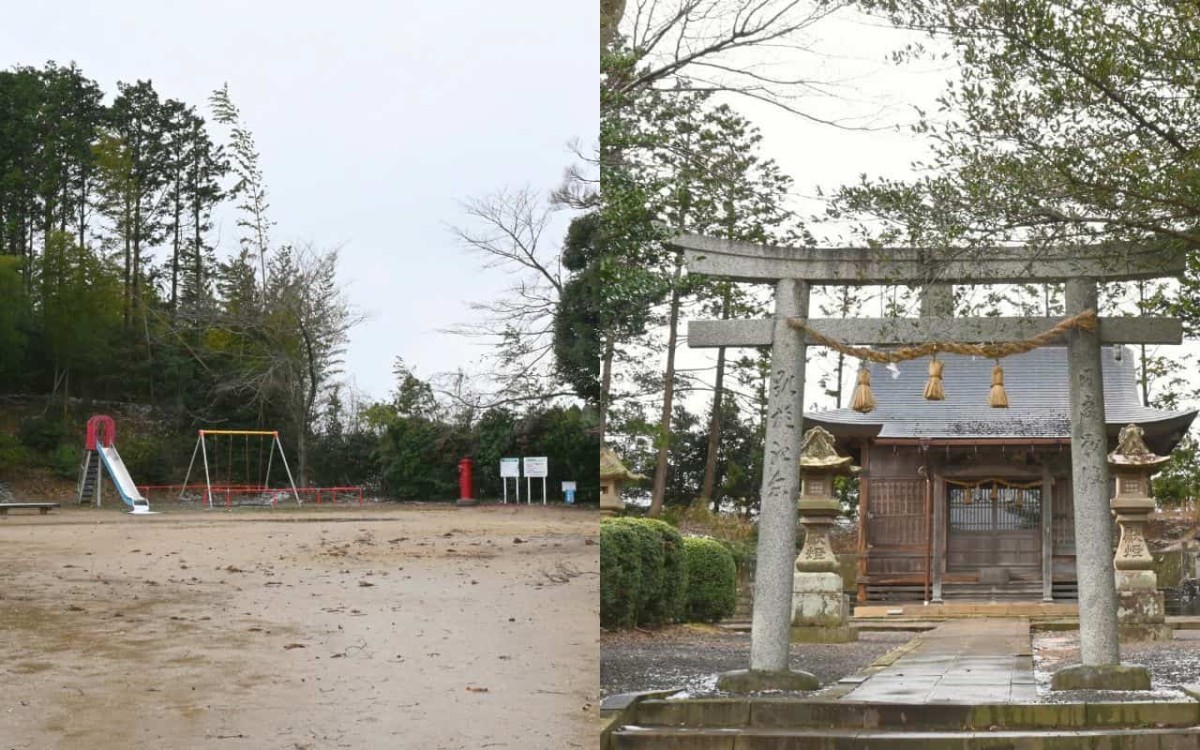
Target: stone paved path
961	661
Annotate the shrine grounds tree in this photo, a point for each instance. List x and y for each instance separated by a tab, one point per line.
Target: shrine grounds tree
707	175
1070	121
658	62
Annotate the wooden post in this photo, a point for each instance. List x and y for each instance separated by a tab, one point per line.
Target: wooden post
928	555
939	535
1047	535
864	484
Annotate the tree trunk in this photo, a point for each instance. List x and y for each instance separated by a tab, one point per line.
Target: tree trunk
83	193
714	420
175	248
606	364
137	254
198	260
302	456
1145	377
841	369
127	297
664	447
714	437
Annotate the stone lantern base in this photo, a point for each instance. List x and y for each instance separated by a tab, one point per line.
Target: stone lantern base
1141	614
820	609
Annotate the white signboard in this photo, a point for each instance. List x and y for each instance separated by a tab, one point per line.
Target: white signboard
536	467
510	467
568	487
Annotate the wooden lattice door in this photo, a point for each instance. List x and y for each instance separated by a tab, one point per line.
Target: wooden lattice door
896	531
994	524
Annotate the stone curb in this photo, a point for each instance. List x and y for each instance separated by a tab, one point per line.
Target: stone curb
621	705
779	714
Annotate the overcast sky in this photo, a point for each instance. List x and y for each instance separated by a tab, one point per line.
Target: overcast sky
373	120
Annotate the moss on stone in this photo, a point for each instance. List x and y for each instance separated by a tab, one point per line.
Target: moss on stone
1102	677
1168	566
757	681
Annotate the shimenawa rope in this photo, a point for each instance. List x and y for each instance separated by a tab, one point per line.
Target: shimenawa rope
864	400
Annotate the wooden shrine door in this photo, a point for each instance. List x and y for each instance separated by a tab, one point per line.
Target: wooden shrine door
994	524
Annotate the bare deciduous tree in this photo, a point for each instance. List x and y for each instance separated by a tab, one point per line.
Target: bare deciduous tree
506	229
751	48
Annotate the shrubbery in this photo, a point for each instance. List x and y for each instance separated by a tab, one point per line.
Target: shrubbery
649	575
620	576
12	452
711	580
67	459
642	572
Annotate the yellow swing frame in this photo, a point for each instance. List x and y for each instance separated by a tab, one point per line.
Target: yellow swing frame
202	449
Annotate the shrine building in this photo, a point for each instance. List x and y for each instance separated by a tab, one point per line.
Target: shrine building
962	501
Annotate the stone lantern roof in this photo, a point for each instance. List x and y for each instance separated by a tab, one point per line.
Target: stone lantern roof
818	453
612	468
1132	453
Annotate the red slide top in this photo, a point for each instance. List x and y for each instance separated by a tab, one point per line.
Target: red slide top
101	427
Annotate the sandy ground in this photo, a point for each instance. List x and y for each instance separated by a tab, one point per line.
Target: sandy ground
690	658
333	628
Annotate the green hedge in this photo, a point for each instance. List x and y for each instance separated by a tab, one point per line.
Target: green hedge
643	574
711	580
620	576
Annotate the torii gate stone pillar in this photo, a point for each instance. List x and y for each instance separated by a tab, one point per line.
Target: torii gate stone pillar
772	621
1098	633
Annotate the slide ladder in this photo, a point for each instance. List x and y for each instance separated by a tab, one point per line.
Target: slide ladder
88	489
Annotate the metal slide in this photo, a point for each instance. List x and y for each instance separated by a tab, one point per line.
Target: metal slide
120	476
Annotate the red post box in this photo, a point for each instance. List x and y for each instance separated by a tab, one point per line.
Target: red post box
466	482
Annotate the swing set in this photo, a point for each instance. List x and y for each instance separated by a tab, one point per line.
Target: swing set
254	484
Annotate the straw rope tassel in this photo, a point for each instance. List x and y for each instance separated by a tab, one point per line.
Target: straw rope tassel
933	388
863	401
998	399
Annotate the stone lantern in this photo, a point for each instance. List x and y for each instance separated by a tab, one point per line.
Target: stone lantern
613	476
820	608
1140	611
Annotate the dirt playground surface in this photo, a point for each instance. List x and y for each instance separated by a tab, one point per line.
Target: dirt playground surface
385	627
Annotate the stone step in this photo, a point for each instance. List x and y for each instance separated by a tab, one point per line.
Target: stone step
630	738
784	713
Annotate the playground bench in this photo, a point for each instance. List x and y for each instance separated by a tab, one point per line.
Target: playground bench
44	508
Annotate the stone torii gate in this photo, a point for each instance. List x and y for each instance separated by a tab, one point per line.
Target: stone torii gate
793	271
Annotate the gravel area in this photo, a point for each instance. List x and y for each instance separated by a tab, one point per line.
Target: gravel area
691	657
1171	664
